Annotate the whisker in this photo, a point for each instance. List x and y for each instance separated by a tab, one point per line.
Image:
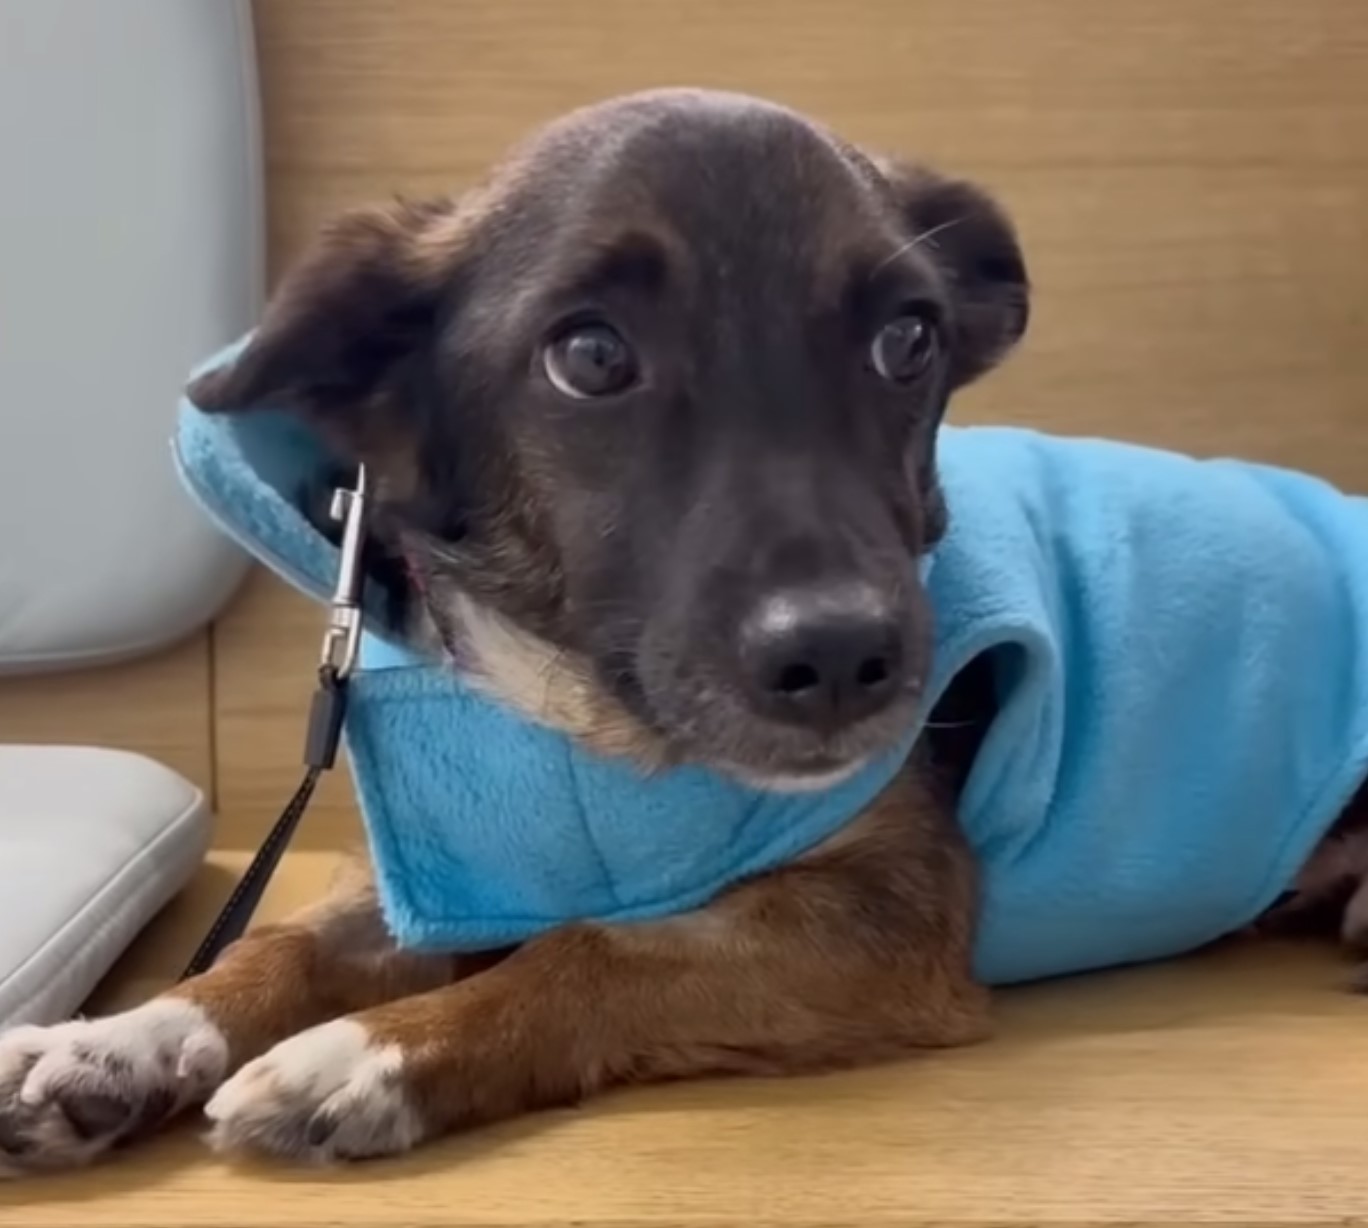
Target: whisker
916	241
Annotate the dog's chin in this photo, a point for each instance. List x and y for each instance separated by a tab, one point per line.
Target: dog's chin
778	759
798	779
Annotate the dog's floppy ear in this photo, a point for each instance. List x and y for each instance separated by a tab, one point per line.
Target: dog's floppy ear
970	238
345	321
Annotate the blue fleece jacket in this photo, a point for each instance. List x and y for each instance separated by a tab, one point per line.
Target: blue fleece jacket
1182	678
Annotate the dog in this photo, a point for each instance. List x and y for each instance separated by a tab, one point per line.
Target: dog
651	417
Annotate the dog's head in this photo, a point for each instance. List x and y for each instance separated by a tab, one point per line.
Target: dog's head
652	418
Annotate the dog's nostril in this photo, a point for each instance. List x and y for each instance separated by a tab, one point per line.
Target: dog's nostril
873	672
795	679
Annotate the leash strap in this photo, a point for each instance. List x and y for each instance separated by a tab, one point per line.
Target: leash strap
327	712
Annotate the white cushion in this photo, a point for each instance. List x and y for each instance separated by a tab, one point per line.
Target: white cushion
92	844
130	247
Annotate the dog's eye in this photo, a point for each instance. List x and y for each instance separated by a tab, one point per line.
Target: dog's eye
903	348
590	360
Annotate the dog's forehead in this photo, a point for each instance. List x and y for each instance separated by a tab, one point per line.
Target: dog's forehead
708	169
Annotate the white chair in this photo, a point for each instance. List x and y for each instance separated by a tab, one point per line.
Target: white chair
131	245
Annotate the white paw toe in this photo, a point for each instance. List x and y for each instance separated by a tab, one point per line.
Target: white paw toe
327	1094
69	1092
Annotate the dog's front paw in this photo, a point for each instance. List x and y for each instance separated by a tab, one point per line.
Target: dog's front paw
72	1091
326	1095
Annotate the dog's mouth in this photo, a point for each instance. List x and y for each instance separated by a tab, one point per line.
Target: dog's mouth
758	754
711	725
781	726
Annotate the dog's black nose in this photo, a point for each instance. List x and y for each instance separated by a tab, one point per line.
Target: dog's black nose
823	655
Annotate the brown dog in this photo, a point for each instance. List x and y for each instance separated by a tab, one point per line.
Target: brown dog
652	417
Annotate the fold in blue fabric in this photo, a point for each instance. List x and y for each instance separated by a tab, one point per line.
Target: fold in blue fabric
1178	648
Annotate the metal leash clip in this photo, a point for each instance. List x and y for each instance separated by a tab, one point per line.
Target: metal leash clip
341	646
342	639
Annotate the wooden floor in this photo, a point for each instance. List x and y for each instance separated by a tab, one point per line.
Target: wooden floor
1227	1089
1191	180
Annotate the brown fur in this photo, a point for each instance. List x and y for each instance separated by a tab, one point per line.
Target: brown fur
858	952
331	959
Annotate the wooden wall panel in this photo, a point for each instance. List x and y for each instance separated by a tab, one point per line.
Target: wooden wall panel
1192	190
159	706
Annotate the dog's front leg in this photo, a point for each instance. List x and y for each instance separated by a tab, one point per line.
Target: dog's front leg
71	1091
856	954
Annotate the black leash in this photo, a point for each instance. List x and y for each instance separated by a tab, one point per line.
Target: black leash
327	712
325	729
